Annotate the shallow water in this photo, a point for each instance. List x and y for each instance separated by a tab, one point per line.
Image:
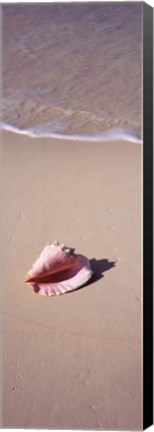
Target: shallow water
72	68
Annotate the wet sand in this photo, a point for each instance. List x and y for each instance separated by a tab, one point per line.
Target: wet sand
73	361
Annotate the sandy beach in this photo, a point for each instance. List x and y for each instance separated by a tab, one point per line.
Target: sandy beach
72	361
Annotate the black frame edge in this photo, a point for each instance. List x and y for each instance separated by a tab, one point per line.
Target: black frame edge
148	216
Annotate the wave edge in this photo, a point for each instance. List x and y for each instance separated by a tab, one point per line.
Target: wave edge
114	134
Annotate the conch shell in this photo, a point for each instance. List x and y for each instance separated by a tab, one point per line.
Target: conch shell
58	270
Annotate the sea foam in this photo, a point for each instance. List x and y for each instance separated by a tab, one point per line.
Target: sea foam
114	134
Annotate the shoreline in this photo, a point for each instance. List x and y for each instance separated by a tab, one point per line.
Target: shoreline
113	134
72	361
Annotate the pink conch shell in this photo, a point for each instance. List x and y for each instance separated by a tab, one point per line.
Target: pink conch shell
58	270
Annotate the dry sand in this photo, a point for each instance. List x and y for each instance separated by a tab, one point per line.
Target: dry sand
72	361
